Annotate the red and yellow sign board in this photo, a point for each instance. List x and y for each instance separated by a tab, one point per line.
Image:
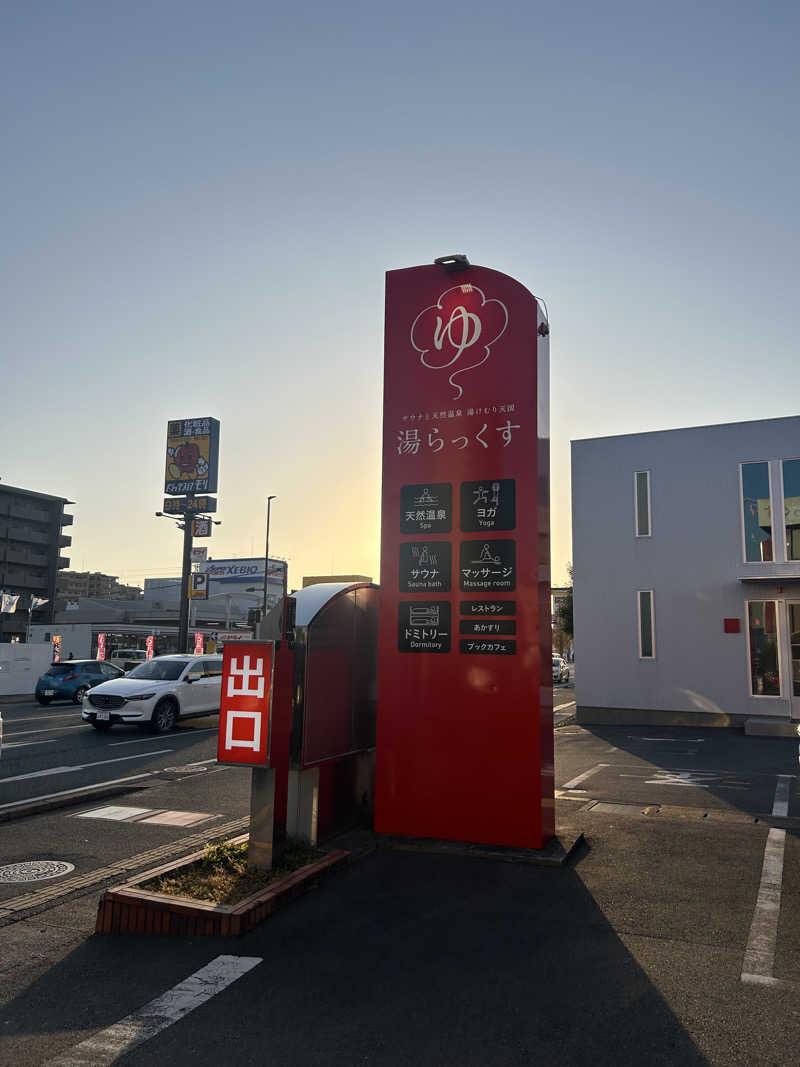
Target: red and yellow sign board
245	703
465	728
192	456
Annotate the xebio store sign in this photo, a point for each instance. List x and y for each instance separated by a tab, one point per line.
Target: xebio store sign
465	732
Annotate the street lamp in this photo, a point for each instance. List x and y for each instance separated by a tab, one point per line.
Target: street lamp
266	561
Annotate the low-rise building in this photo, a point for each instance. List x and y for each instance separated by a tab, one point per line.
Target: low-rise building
686	551
74	584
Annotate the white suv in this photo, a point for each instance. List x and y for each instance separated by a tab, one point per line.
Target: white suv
157	693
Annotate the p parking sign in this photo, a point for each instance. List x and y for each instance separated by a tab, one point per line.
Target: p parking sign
198	586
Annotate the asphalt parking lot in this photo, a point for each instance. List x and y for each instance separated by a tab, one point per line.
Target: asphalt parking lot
673	937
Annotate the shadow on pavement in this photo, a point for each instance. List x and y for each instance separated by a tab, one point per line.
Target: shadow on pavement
405	958
724	763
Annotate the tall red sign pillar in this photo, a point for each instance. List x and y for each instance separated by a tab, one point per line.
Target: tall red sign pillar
465	700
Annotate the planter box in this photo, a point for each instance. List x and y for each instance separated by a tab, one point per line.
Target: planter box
127	909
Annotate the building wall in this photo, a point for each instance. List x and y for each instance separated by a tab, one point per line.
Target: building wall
76	638
693	562
21	666
31	542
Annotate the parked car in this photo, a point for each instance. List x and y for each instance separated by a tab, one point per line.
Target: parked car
560	670
127	658
73	678
157	693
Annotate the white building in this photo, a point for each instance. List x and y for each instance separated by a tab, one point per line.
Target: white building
686	552
233	584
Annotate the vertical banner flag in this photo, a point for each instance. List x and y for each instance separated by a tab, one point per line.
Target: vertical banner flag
56	648
101	646
245	703
198	644
150	646
465	728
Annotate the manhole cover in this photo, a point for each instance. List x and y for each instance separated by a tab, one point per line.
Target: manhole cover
35	871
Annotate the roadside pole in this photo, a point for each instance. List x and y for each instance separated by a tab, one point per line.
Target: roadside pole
244	738
186	573
261	846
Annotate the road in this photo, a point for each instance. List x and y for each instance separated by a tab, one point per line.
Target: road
49	750
674	937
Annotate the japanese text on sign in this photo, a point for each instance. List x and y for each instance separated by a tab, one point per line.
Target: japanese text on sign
425	567
424	626
489	565
192	456
409	441
426	508
245	703
488	505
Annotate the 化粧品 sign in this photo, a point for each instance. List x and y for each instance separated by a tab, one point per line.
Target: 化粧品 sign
192	456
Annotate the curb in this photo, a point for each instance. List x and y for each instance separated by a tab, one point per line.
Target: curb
129	910
556	853
36	807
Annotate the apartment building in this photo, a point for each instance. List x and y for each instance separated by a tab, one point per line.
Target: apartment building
31	542
71	585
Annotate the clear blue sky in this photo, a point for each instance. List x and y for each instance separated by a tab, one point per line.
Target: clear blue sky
199	202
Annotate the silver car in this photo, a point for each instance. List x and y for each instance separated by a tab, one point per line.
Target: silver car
560	670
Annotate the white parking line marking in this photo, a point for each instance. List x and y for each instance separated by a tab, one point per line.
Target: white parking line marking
689	779
38	718
107	1045
563	707
49	730
71	792
582	777
25	744
759	956
80	766
680	740
781	805
709	770
173	737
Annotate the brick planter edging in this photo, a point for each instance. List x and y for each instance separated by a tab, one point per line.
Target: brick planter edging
127	909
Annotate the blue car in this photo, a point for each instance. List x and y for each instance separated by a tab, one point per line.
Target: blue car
71	679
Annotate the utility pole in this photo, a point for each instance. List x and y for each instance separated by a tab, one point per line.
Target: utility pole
266	562
186	572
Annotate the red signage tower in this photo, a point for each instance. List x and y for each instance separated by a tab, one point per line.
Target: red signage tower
465	699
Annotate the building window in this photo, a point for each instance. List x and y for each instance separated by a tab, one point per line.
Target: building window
647	646
762	629
756	513
641	496
791	506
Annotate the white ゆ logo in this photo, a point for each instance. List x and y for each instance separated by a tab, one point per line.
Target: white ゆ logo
456	335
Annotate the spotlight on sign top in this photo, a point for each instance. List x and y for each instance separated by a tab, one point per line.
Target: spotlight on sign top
453	263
